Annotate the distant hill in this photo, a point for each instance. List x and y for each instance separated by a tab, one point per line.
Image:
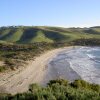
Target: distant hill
30	34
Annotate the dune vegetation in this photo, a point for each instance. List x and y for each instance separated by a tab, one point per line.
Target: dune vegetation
15	55
58	90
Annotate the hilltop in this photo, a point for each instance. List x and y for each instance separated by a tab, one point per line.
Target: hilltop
32	34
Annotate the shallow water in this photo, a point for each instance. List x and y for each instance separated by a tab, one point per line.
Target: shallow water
79	62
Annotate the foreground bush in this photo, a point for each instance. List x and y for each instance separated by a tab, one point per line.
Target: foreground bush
59	90
85	85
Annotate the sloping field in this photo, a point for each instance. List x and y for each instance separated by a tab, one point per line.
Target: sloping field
29	34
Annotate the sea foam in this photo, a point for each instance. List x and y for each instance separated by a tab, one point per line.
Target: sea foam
82	60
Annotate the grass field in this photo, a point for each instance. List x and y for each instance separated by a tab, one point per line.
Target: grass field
29	34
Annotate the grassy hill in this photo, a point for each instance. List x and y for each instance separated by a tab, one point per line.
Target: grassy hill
29	34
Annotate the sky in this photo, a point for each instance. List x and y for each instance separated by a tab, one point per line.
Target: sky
63	13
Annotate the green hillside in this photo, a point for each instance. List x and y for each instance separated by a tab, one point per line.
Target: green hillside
29	34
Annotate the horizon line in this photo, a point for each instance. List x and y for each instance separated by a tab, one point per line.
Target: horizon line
50	26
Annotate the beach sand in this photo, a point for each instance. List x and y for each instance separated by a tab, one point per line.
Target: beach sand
35	72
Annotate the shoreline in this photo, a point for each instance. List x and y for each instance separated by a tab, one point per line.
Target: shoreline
62	71
34	73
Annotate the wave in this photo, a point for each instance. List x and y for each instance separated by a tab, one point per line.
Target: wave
94	58
84	61
91	56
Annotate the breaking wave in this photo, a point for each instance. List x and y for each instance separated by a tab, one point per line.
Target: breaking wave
85	61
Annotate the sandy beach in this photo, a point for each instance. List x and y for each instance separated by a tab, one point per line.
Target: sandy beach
68	63
35	72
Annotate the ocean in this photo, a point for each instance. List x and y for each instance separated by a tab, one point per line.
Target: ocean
76	63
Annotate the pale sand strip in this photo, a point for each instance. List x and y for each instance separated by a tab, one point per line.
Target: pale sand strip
18	81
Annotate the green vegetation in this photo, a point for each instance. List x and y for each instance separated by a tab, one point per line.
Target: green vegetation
2	68
41	37
14	55
58	90
22	43
87	42
30	34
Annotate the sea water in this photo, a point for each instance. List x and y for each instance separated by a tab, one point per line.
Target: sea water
78	62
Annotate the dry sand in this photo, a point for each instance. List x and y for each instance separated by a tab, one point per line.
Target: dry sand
19	81
1	63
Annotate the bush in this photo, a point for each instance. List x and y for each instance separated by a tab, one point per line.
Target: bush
59	81
2	68
85	85
80	84
58	90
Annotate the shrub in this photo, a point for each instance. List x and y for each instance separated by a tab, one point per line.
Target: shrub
59	81
2	68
